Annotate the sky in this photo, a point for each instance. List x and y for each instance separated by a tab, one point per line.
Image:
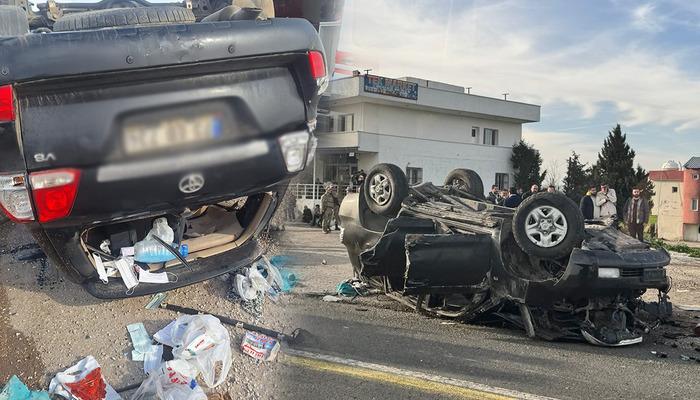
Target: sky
590	65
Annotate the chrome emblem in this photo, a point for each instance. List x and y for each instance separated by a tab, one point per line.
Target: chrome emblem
191	183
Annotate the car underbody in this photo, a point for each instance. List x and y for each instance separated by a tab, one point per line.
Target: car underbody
449	254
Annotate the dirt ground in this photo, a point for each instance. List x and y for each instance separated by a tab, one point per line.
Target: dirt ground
48	324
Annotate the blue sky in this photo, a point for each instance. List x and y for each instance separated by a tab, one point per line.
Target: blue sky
590	64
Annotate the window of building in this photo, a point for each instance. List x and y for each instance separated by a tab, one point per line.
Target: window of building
696	176
694	205
475	131
346	122
414	175
674	189
491	137
502	180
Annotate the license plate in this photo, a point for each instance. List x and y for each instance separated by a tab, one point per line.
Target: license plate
174	132
654	275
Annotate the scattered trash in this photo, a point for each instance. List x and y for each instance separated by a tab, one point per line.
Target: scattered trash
84	380
156	300
331	299
659	354
149	250
280	279
144	349
448	323
324	262
203	342
259	346
104	246
15	389
685	358
152	277
175	380
126	271
352	288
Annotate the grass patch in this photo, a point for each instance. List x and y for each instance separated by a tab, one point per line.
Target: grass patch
678	248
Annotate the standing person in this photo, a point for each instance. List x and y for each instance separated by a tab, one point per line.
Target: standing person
291	207
636	214
533	189
587	205
327	205
606	199
493	195
336	206
551	189
520	192
361	175
502	196
513	201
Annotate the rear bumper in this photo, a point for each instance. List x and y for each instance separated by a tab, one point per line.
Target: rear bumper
639	271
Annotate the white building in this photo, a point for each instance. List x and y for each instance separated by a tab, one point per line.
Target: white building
427	128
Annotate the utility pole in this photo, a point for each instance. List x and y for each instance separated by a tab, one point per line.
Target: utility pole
469	90
505	96
367	71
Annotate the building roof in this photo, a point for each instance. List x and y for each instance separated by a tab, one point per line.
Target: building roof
693	163
668	175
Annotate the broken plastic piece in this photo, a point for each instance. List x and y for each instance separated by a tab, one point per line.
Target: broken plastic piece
15	389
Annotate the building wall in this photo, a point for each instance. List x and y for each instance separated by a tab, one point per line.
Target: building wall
691	232
691	190
668	207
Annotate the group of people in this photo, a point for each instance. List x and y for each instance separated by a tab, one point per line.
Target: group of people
513	197
326	213
602	204
595	204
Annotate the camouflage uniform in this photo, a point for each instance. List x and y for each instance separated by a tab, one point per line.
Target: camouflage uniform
327	206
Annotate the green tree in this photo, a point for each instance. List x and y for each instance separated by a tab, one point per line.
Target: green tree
641	181
577	179
526	161
615	166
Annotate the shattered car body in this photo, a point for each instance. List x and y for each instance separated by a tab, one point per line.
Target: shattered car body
143	113
446	252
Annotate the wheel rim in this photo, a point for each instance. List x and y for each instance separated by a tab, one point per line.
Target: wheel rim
546	226
380	189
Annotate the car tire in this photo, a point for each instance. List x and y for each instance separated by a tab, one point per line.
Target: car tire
116	17
13	21
548	225
466	180
384	189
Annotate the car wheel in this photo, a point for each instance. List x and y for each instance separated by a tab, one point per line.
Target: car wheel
116	17
384	189
548	225
13	21
466	180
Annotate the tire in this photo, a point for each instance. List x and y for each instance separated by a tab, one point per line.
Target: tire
466	180
384	189
13	21
139	16
548	225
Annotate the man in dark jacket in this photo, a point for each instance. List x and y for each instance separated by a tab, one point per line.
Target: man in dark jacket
533	190
636	214
513	201
587	204
493	195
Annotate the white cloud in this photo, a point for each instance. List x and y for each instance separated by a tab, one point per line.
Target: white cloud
645	17
489	48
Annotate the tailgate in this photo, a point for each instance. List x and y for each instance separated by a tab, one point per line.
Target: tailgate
143	138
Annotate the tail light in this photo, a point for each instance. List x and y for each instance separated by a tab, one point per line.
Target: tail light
7	104
14	198
54	192
318	70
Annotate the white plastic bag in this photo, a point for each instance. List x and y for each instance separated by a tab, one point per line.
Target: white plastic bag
83	381
203	342
162	230
173	381
249	285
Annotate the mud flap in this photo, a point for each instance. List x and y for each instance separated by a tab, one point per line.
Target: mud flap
450	263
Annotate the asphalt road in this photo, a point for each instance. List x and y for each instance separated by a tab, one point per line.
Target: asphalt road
387	337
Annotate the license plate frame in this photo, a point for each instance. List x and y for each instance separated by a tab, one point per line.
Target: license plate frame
654	275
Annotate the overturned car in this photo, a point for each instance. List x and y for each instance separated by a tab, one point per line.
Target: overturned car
444	251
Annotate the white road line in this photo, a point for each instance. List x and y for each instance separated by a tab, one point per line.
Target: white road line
419	375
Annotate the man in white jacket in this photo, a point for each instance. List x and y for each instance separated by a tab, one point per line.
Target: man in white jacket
606	199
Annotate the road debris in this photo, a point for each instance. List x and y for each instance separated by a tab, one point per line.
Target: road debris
259	346
15	389
659	354
175	380
84	380
331	299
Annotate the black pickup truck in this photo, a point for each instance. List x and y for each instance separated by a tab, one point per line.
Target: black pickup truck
114	117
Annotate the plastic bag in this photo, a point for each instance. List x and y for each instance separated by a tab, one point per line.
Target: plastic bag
15	389
83	381
173	381
249	286
203	342
162	230
150	250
